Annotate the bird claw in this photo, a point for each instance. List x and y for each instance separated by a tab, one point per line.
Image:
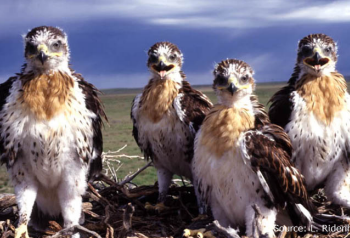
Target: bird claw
159	207
21	230
200	233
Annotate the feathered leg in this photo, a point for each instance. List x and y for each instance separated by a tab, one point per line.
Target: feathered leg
70	190
260	220
337	186
164	180
26	189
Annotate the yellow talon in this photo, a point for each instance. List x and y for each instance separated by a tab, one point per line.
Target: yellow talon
189	233
22	229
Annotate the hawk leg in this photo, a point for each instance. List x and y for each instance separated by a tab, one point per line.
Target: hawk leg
164	181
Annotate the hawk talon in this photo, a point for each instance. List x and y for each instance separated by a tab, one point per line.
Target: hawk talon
22	229
193	233
159	207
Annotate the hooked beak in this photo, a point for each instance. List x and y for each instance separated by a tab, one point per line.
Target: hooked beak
42	57
316	61
232	88
162	68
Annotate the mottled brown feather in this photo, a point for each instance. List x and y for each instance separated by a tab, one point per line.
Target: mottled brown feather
324	96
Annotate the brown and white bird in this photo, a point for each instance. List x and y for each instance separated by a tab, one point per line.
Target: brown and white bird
241	159
166	116
314	109
50	132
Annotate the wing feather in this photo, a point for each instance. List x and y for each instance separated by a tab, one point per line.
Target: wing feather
94	104
269	152
7	157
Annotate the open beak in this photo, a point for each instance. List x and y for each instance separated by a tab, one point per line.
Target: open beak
42	57
232	88
162	68
316	61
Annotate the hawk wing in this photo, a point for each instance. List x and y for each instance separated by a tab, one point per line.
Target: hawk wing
194	106
281	106
94	104
281	102
7	157
146	149
268	152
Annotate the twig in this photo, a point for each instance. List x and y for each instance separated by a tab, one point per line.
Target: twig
131	177
71	230
184	207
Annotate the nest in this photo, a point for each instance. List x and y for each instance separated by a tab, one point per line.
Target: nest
116	209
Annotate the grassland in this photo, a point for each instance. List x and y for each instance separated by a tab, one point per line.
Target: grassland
118	132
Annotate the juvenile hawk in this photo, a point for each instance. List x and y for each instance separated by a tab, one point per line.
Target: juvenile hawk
314	109
166	116
241	159
50	131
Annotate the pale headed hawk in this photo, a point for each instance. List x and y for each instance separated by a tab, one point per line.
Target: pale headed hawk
166	116
314	109
50	131
241	159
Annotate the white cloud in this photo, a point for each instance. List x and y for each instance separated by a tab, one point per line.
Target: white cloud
181	13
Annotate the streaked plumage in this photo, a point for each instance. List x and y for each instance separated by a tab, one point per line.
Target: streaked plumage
50	131
314	110
241	159
167	114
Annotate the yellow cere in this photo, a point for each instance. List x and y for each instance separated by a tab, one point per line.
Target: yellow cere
316	49
43	48
161	58
234	81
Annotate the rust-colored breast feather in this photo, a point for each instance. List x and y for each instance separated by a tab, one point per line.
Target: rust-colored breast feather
157	98
270	151
223	126
45	95
324	96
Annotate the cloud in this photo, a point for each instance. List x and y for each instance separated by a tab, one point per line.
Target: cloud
180	13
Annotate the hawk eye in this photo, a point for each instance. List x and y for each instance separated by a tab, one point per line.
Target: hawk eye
172	57
153	58
31	48
56	46
306	50
221	80
245	78
328	49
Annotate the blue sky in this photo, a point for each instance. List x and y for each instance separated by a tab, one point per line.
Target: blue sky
109	39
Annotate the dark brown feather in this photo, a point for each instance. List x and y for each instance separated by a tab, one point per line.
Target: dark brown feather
270	150
7	157
281	102
195	104
94	104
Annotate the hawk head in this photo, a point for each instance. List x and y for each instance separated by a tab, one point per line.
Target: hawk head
317	54
233	80
46	48
164	59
